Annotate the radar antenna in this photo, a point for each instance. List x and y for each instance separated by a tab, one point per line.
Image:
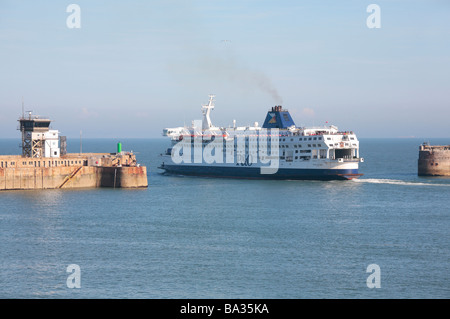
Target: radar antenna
206	110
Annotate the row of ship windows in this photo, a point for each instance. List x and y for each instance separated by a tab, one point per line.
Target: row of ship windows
296	151
287	146
290	158
282	146
299	145
300	139
311	139
279	146
266	138
292	139
307	139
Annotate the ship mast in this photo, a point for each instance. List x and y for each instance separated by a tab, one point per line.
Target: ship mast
206	110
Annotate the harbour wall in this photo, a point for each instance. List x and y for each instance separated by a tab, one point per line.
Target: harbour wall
72	171
434	161
72	177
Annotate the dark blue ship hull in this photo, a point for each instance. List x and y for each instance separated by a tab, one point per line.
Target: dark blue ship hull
255	173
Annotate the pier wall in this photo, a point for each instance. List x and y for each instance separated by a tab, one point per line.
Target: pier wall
72	177
434	162
125	177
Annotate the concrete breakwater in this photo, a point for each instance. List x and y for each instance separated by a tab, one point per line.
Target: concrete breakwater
72	171
45	163
434	160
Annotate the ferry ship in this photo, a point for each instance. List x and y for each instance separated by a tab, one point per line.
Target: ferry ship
276	150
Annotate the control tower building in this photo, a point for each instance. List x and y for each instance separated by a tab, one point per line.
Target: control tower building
38	140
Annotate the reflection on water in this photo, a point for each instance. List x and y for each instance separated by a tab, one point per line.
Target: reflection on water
44	200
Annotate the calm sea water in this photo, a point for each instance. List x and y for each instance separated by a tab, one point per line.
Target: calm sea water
186	237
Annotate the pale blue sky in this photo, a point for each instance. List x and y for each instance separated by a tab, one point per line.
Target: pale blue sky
135	67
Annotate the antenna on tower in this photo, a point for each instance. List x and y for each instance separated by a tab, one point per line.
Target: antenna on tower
23	109
206	109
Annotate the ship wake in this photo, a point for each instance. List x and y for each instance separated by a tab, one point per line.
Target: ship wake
397	182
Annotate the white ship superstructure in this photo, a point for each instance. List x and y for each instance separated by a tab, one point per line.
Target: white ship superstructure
276	150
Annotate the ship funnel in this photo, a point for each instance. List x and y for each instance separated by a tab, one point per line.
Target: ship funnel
278	118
